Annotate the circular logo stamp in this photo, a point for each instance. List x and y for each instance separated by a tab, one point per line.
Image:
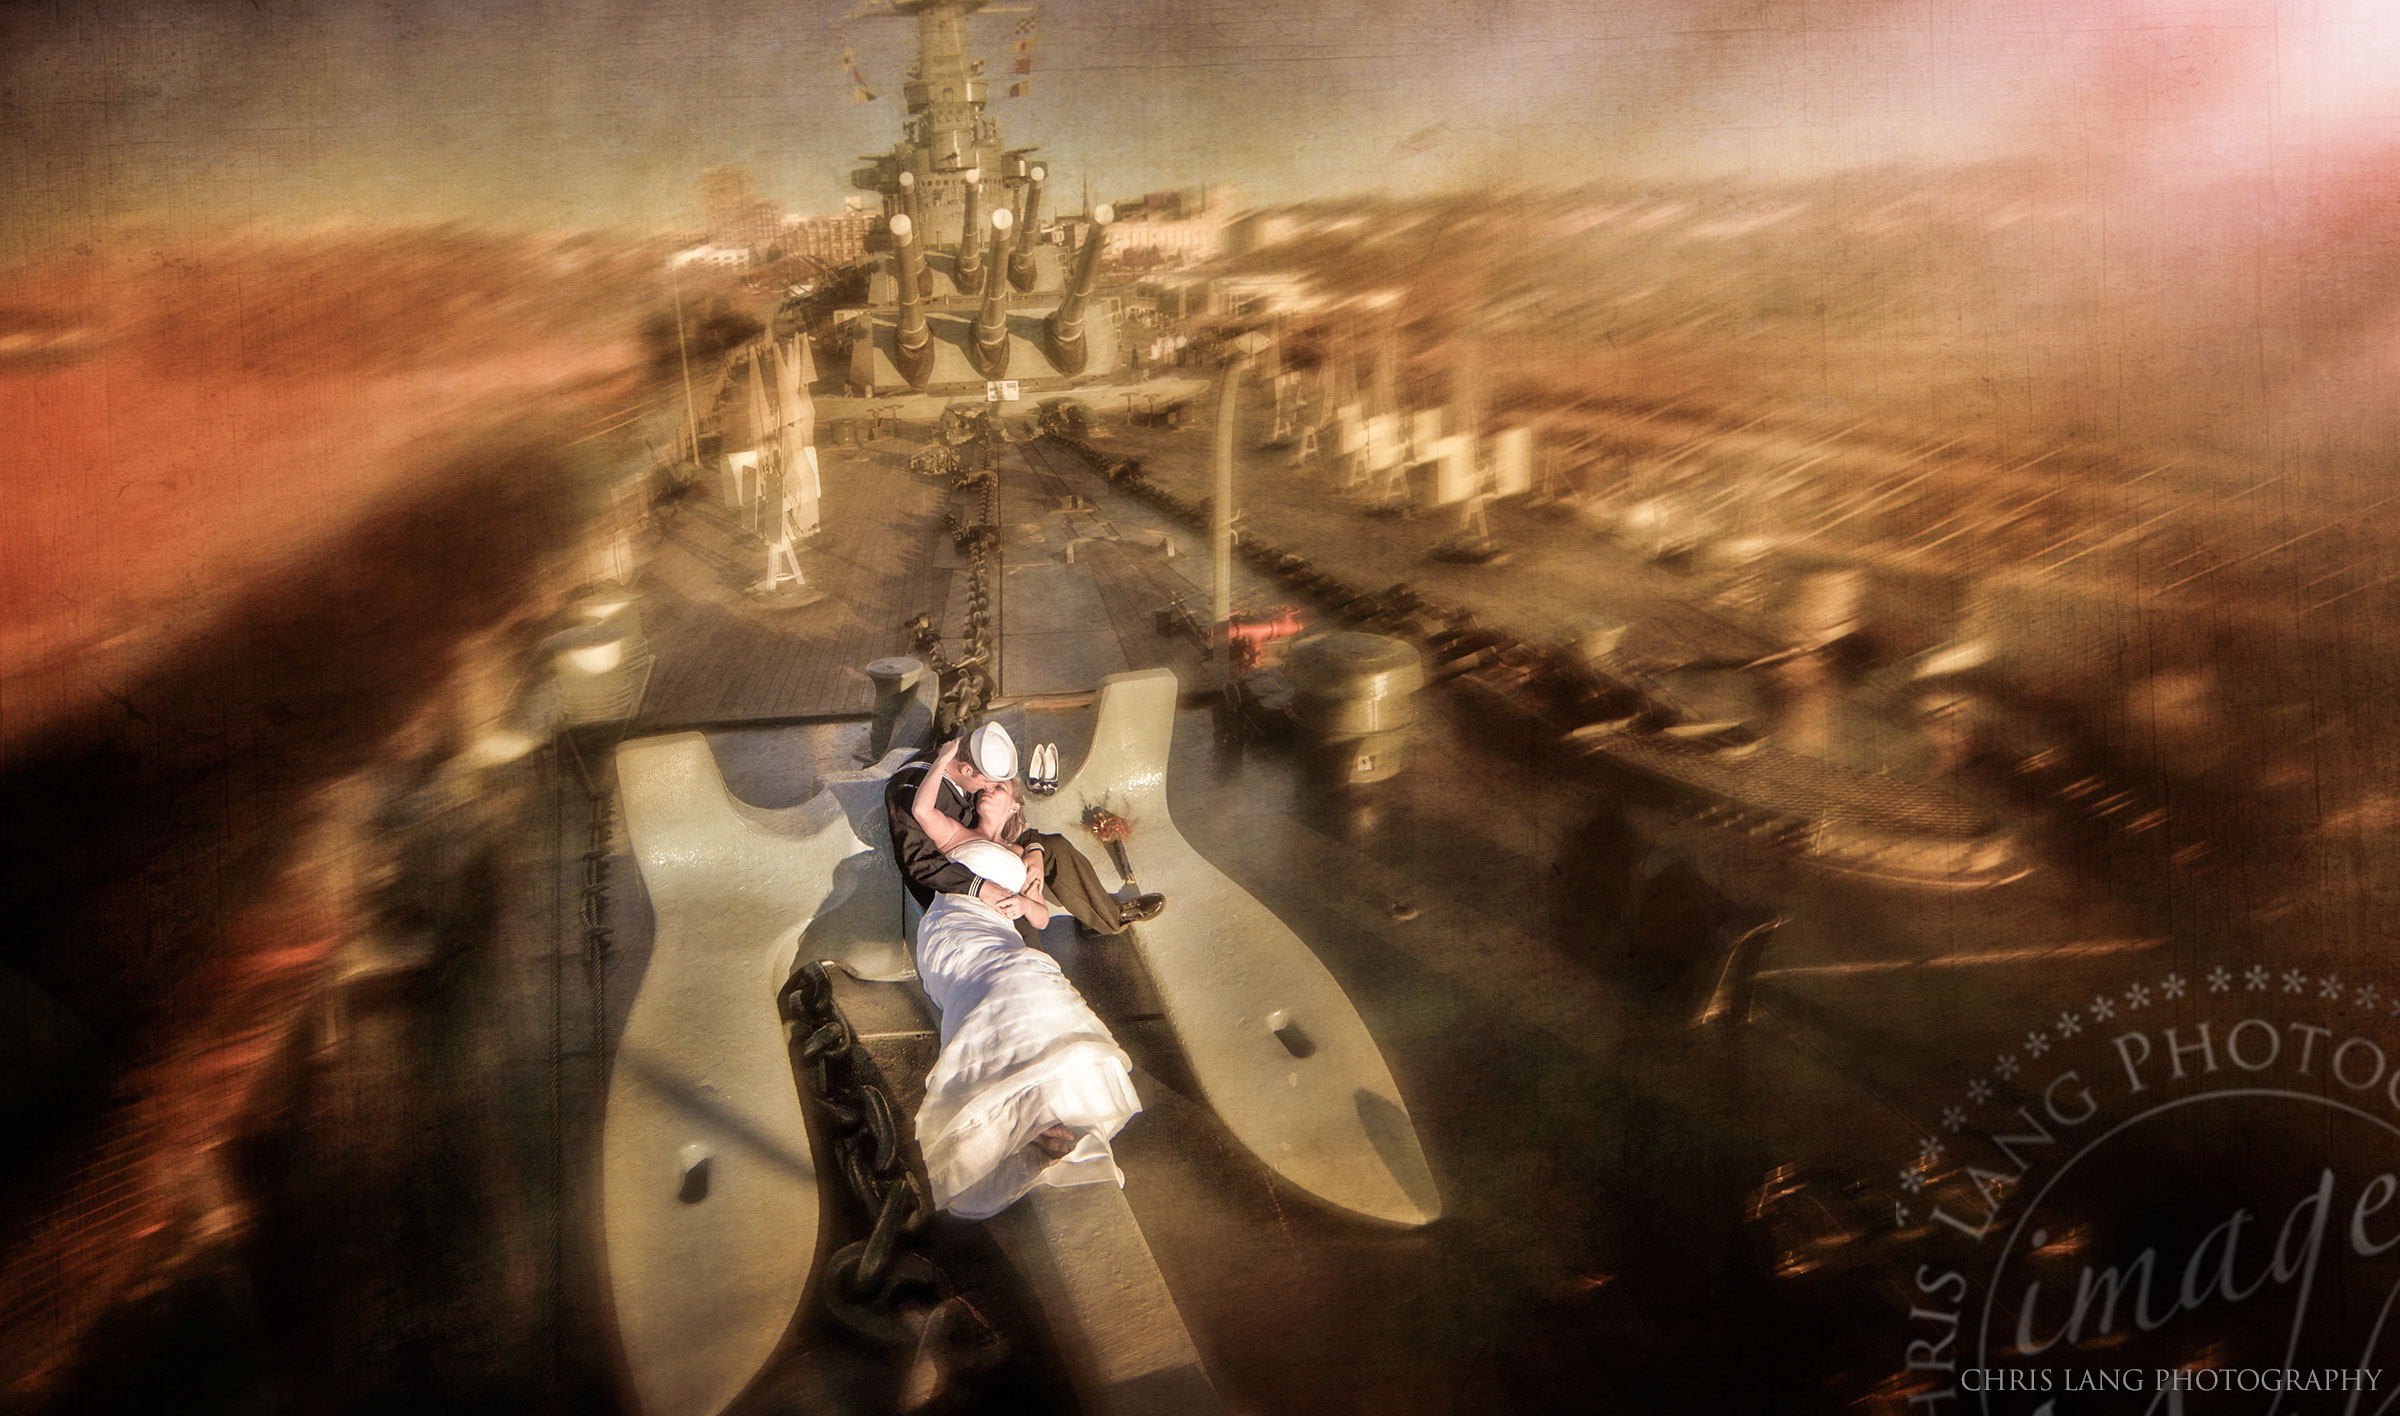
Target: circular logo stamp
2183	1196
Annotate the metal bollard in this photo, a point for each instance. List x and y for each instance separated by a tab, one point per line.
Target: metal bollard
1355	693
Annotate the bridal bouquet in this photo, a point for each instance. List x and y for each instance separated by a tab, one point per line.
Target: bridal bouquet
1112	831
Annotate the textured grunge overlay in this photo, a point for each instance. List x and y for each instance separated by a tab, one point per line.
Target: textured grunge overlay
1887	899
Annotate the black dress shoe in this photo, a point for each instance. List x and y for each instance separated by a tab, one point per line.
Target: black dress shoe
1141	909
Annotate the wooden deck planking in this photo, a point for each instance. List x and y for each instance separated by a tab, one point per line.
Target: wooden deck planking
725	657
1133	581
1134	584
883	557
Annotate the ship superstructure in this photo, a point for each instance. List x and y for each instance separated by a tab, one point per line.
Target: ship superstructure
967	292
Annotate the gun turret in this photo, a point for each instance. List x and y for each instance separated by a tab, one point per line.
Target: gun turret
912	342
1062	333
970	237
990	349
1029	227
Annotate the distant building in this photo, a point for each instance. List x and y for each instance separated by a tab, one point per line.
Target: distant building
1183	295
1184	229
725	188
712	254
754	226
737	216
831	240
1258	230
1258	296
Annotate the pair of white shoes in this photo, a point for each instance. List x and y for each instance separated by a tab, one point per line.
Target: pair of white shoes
1041	769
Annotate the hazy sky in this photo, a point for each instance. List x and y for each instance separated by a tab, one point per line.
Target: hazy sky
574	113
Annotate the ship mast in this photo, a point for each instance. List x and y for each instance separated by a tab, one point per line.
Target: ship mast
946	94
949	142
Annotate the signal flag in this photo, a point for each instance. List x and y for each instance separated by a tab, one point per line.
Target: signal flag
859	92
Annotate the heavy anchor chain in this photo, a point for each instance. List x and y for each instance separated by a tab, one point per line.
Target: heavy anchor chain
968	682
599	941
881	1288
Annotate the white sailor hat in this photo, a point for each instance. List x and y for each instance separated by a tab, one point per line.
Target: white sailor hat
993	752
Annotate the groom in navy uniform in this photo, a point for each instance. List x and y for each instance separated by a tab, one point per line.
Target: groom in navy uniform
1068	881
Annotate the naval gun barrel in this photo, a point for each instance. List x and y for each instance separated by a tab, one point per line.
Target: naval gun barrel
908	198
912	342
970	236
1062	333
1029	227
990	350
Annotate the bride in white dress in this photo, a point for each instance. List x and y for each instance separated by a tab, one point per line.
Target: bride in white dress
1029	1086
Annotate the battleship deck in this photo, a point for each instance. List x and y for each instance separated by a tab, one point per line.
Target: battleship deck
1081	592
725	656
1592	1143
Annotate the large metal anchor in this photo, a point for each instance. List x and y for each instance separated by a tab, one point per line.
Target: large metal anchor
1279	1051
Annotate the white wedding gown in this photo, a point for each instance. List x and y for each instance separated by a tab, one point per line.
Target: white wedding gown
1021	1052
